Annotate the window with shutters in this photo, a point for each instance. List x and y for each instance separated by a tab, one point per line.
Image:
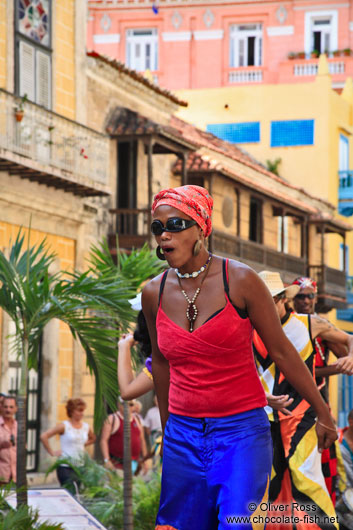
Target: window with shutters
142	49
246	45
33	50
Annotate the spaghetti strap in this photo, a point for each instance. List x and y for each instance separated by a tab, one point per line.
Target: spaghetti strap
241	312
225	276
161	287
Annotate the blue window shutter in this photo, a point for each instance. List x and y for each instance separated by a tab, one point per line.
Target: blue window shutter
287	133
238	133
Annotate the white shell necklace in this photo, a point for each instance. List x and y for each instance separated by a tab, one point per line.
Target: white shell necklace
196	273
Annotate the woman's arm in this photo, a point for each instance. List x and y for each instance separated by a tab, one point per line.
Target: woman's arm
160	365
263	314
103	443
340	342
130	387
44	438
91	437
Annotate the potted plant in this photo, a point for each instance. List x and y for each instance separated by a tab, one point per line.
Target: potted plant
19	109
301	55
336	53
346	51
315	54
291	56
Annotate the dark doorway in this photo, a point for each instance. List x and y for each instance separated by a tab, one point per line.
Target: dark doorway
251	51
127	187
255	220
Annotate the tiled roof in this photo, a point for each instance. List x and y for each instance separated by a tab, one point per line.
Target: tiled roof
121	67
126	122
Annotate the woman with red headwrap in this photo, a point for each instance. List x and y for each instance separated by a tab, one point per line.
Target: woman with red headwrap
200	314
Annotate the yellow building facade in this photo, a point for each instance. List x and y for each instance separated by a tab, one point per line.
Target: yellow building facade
48	178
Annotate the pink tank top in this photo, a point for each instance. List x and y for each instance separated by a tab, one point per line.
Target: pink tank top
212	369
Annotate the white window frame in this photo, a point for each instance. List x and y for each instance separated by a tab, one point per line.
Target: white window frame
282	221
343	153
142	49
310	18
239	33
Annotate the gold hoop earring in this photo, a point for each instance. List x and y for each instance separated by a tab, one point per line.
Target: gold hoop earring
160	253
197	248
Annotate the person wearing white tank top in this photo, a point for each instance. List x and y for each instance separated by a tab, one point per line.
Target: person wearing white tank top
75	435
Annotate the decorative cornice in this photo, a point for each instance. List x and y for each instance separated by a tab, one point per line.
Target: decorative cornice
176	36
277	31
106	38
209	34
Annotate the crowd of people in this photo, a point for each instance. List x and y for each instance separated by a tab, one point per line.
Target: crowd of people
240	366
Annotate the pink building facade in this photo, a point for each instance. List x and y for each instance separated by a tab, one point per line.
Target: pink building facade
193	44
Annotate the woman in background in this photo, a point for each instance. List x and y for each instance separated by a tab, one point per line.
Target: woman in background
75	436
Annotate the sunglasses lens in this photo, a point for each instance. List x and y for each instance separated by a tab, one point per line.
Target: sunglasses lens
157	228
176	224
311	296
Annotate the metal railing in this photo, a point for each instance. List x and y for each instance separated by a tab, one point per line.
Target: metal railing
51	139
345	190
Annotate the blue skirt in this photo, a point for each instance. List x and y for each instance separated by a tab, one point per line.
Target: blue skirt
214	469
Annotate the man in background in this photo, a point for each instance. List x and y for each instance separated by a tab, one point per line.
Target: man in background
304	303
8	440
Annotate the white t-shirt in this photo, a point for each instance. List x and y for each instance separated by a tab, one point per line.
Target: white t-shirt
73	440
153	419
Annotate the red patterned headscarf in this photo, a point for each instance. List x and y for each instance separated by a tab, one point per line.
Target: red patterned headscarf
304	282
194	201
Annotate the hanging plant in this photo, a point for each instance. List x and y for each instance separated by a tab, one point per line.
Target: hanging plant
19	109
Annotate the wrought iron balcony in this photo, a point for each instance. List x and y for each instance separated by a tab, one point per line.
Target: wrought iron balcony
345	192
131	226
50	149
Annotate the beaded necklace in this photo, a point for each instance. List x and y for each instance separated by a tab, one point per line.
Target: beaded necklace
191	310
196	273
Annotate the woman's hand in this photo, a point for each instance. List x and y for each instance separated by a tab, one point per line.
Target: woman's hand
326	432
127	339
57	453
280	402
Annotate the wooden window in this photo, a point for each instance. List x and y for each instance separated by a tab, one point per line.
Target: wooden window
33	51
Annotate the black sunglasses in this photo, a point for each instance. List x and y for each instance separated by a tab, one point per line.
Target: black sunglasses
174	224
302	296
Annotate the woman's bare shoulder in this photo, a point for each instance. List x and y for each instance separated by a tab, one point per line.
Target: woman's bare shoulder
241	272
150	292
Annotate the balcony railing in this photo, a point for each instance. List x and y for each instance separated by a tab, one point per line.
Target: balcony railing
331	285
345	184
257	255
131	226
246	75
311	68
51	140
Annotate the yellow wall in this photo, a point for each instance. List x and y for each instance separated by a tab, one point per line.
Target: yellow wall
65	249
3	31
64	57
